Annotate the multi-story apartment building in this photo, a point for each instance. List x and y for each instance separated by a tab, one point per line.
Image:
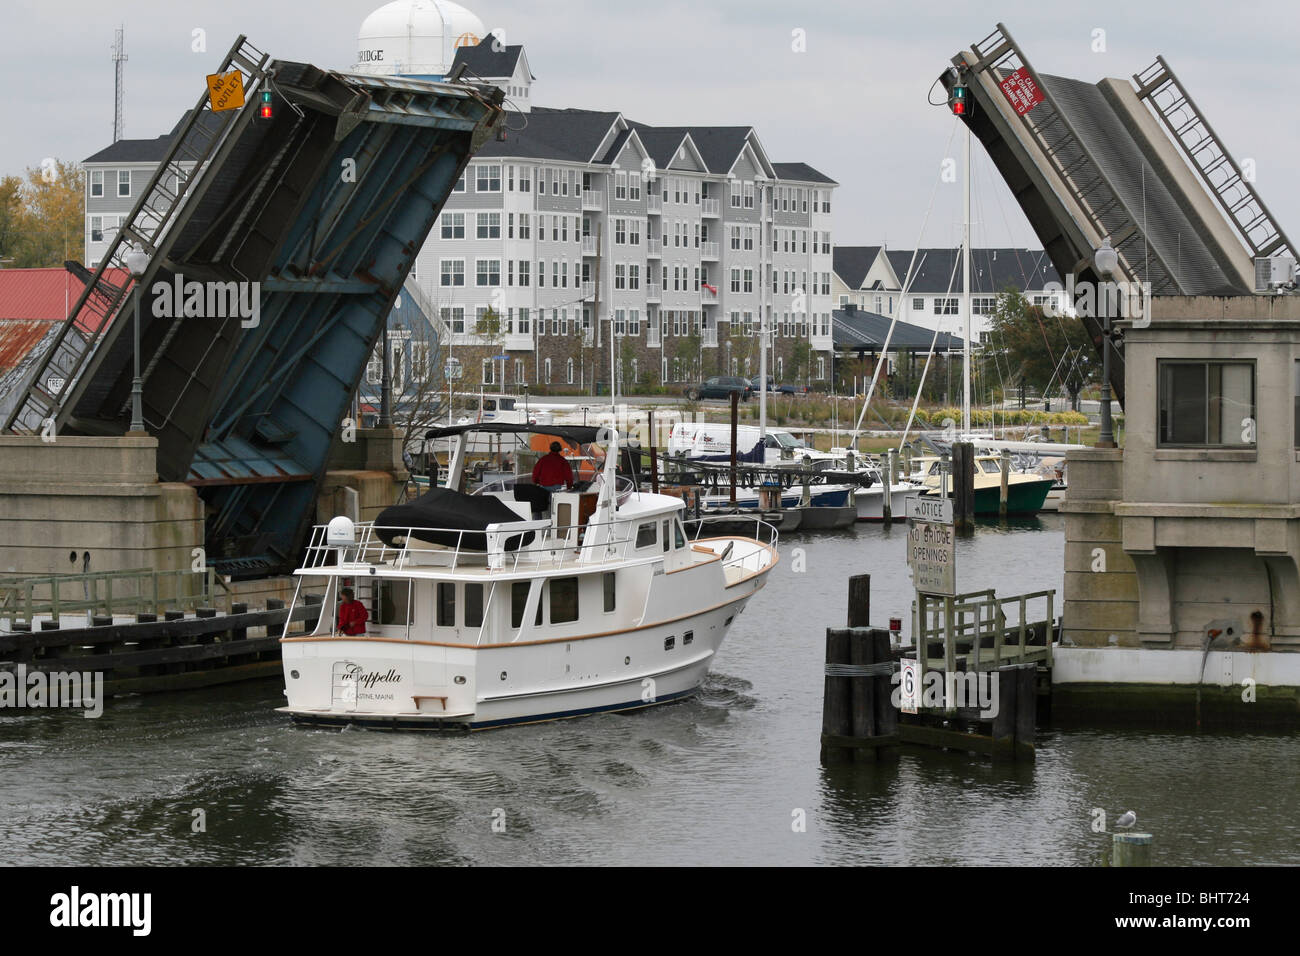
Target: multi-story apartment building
576	225
872	278
115	177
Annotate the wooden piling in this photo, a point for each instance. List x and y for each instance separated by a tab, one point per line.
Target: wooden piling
862	699
1002	490
963	483
735	424
859	600
654	454
837	719
886	508
1131	849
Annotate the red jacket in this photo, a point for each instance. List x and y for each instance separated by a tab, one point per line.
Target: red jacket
353	617
553	469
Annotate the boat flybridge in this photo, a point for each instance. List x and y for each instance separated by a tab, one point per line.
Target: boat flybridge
515	604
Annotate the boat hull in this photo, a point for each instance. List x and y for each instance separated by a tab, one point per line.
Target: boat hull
413	685
870	502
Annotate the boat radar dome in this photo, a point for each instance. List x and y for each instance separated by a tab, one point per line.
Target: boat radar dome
340	532
415	38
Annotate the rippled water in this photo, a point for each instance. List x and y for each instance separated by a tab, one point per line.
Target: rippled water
721	778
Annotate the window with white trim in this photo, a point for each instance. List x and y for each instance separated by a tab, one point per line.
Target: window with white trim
452	271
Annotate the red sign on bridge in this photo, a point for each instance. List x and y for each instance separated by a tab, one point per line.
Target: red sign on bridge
1021	91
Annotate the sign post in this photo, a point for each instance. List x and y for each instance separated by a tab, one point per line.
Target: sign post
932	556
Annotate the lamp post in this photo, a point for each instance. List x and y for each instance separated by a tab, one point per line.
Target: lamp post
137	261
1105	260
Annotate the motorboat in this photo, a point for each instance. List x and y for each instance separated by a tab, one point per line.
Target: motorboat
517	604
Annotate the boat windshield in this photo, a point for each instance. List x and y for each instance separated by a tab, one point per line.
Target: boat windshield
786	440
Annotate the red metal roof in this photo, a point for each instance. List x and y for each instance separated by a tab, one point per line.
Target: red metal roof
47	294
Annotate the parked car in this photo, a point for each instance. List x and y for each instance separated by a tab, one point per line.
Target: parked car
757	385
720	386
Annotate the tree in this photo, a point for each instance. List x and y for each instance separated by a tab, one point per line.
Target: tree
1026	347
687	348
800	359
50	224
11	216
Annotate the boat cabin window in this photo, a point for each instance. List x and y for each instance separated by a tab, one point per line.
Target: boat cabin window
609	587
645	535
564	600
446	604
473	605
518	601
991	467
679	538
934	469
392	602
666	539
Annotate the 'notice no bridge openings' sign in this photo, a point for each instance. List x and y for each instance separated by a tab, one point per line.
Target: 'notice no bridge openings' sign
1021	91
931	550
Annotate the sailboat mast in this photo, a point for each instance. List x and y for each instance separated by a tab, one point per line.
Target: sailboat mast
965	306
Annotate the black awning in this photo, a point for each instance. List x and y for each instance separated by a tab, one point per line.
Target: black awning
579	434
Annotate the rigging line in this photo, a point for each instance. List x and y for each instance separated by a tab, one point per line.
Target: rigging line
952	277
907	285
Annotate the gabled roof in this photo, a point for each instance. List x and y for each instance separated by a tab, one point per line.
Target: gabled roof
801	173
486	61
992	270
661	144
852	263
718	146
149	150
857	329
567	135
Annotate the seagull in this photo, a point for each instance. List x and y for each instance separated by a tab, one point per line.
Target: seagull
1127	820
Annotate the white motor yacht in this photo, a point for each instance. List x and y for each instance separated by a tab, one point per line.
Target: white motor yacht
516	605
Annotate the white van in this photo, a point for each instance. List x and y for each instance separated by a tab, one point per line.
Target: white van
712	442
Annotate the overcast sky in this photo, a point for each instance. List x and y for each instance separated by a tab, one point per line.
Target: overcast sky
853	105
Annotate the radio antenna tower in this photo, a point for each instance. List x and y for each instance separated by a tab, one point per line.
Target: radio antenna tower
118	59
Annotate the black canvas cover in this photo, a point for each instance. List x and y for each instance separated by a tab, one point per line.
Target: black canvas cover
449	512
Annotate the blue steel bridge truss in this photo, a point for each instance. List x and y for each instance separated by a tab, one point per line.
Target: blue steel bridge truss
325	206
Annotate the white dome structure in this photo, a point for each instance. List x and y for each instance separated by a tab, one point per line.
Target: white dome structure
415	38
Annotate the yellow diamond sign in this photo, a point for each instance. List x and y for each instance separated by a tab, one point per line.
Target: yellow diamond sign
226	90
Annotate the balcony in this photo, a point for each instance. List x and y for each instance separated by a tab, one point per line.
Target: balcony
588	245
708	297
592	199
588	290
654	203
652	335
709	337
653	292
710	207
654	247
708	250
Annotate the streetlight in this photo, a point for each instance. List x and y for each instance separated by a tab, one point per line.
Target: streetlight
1105	260
137	261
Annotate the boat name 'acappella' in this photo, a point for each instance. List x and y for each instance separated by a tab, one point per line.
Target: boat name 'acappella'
374	677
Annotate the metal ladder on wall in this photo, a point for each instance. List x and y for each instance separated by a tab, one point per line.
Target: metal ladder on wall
1075	168
1206	153
52	382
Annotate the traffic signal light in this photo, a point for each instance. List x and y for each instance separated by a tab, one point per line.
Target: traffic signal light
264	111
959	101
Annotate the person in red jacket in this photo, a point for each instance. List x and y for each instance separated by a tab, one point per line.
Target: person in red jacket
552	471
352	614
